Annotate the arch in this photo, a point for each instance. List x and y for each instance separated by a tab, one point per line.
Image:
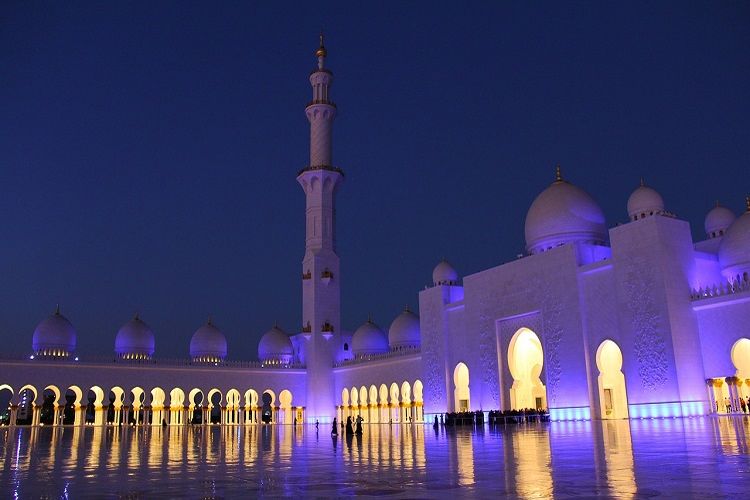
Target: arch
233	398
176	398
285	403
394	402
418	391
251	398
525	362
613	400
345	397
78	395
158	397
363	394
30	388
272	394
461	390
383	393
6	399
267	408
211	400
98	399
54	391
406	392
373	395
119	394
192	395
740	355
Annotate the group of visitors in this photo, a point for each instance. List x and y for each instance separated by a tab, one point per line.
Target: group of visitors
351	428
495	417
738	405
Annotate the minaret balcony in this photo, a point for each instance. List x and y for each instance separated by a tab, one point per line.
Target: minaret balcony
320	101
327	330
307	275
329	168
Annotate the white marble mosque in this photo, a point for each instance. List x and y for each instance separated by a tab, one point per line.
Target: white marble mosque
635	320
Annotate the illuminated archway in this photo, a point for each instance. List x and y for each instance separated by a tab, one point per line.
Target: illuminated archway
525	361
6	401
383	403
251	406
406	403
461	391
232	412
158	413
354	398
613	400
419	401
285	405
176	406
741	360
373	405
345	410
363	408
268	413
214	399
394	402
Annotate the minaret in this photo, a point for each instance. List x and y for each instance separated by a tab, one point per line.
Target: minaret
321	294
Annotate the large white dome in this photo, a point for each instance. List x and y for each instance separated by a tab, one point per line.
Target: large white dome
718	220
404	331
734	251
135	340
208	343
444	274
644	202
563	213
54	336
369	339
275	346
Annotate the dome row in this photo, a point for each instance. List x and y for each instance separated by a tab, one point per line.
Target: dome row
56	337
369	339
564	213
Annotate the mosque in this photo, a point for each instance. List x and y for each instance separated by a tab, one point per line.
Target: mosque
633	321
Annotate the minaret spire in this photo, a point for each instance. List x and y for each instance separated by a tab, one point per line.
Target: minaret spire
321	294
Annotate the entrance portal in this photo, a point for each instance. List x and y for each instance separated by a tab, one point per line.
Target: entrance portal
525	361
612	394
461	392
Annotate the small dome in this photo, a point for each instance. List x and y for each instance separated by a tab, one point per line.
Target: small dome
718	220
404	331
135	340
563	213
54	336
275	346
444	274
734	250
369	339
645	201
208	343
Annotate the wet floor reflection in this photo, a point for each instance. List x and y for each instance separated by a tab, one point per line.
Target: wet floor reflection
624	459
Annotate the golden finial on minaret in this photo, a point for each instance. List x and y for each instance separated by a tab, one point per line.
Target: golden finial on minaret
747	203
57	310
643	183
558	174
321	52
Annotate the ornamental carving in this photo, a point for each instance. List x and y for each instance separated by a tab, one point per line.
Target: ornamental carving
432	356
648	342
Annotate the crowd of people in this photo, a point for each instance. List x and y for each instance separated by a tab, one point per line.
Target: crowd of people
495	417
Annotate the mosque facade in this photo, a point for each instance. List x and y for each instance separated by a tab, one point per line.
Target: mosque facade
633	321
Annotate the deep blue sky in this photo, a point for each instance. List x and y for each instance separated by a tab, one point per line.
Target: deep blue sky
148	151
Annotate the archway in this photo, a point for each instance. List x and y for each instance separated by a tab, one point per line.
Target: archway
137	402
363	406
394	413
613	400
195	400
267	413
176	406
344	405
354	395
49	413
406	403
525	361
158	397
26	401
95	405
232	414
374	417
214	406
6	400
251	406
741	360
461	391
285	402
383	403
418	400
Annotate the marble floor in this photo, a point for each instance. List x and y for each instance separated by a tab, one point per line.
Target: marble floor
684	458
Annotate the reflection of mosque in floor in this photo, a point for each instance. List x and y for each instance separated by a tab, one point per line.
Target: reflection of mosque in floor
638	320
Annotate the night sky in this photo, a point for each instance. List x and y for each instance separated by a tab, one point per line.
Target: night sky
148	151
